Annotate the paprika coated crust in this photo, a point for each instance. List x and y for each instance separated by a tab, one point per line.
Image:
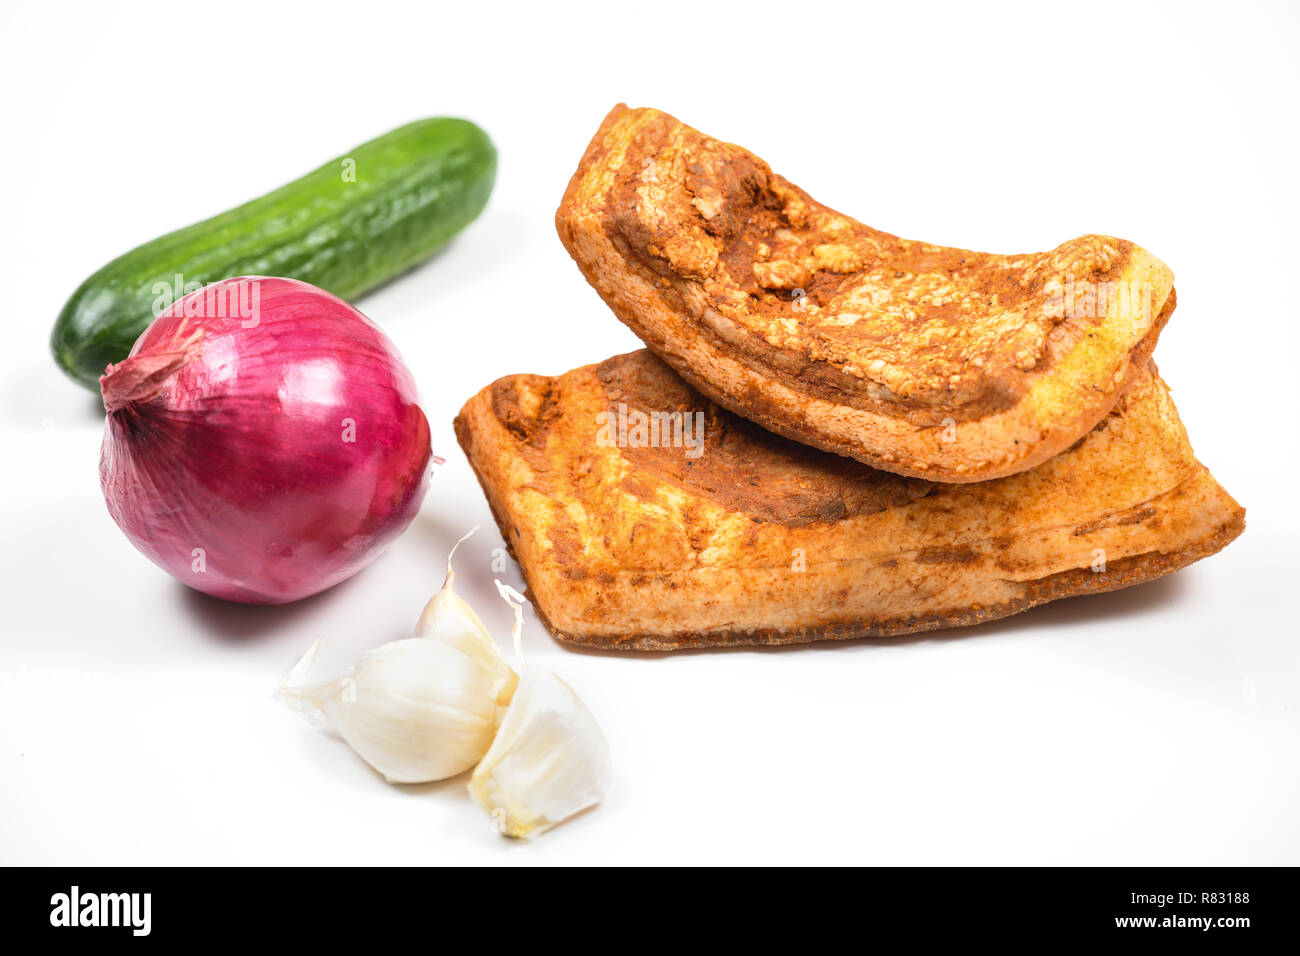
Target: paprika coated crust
762	540
917	359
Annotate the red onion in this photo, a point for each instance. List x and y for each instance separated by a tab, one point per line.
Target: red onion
263	441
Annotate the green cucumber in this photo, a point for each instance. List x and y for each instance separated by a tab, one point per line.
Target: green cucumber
349	226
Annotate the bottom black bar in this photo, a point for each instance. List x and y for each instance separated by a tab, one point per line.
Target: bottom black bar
1229	906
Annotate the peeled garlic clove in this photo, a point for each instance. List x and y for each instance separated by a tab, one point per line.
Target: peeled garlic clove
416	710
449	619
549	760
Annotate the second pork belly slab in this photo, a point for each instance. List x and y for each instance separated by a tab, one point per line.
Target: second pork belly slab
628	543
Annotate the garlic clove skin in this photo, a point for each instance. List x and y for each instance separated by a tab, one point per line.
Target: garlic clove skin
549	760
416	710
449	619
290	691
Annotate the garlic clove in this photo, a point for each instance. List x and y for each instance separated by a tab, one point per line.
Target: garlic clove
448	618
549	760
416	710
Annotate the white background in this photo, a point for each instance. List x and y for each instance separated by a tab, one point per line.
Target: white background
1155	726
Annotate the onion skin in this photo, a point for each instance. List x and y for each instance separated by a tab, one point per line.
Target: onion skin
226	457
